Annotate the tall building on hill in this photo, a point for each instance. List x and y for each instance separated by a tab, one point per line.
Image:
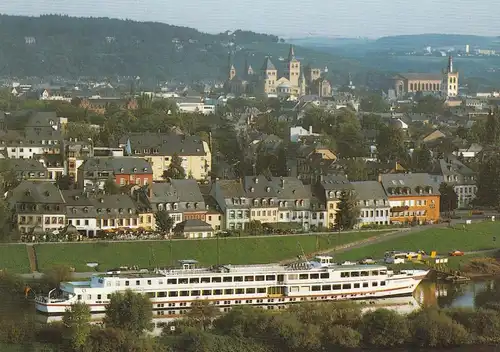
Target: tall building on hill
450	82
289	80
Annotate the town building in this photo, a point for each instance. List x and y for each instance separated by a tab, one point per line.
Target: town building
194	228
159	148
54	163
412	197
125	170
232	198
373	203
331	187
263	199
26	169
294	201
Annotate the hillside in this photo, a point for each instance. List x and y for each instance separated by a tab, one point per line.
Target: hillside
101	47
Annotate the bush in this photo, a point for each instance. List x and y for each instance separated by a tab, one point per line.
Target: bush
340	336
384	328
433	328
483	324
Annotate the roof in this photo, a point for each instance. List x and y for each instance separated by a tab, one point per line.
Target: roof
335	182
410	181
231	189
193	225
36	192
188	190
118	165
421	76
164	144
19	165
290	188
114	206
368	190
259	187
268	65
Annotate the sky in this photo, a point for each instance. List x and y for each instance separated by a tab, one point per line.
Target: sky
291	18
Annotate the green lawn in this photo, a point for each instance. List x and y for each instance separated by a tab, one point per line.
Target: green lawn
157	253
475	237
14	258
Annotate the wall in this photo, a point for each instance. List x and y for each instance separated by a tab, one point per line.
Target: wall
431	208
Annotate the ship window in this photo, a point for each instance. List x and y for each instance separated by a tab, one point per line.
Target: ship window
206	292
126	283
304	276
355	274
316	288
356	285
293	277
170	294
336	287
314	276
374	284
259	278
216	279
228	291
151	294
89	296
184	293
171	281
227	279
183	280
383	272
365	284
382	283
195	293
137	282
375	272
344	274
217	292
238	278
365	273
205	280
79	297
240	291
251	290
108	296
194	280
99	296
248	278
261	290
346	286
163	294
326	287
324	275
149	282
270	277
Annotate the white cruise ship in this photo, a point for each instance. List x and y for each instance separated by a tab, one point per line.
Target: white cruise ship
229	285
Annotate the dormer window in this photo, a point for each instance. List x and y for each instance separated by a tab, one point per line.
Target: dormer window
120	210
176	206
188	205
145	169
130	210
121	169
74	210
85	210
135	169
160	207
256	202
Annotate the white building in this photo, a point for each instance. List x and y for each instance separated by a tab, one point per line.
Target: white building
298	131
373	203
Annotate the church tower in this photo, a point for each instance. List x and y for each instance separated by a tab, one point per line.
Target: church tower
269	76
302	84
231	68
292	68
450	80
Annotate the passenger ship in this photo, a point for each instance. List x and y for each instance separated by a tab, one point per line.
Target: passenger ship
230	285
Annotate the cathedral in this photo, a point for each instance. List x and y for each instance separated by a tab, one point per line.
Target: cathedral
291	80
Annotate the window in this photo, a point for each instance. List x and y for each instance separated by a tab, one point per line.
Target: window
346	286
79	297
250	290
356	285
227	279
171	281
270	277
259	278
126	283
137	282
228	291
365	284
344	274
206	292
365	273
325	275
183	280
355	274
326	287
151	294
314	276
184	293
382	283
216	279
238	279
240	291
194	280
336	287
261	290
195	293
217	292
248	278
303	276
374	284
316	288
205	280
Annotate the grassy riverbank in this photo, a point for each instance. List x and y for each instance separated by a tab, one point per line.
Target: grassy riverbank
157	253
475	237
14	258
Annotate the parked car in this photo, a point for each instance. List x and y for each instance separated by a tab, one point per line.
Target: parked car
456	253
367	260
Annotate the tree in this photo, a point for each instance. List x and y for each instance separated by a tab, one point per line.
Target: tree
488	182
255	227
429	105
110	187
449	199
164	221
356	170
201	314
175	169
492	129
384	328
347	213
129	311
57	274
77	325
64	182
421	158
373	103
390	145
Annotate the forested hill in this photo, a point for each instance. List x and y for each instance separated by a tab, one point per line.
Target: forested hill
102	47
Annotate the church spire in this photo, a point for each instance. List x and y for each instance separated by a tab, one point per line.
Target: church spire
450	64
291	53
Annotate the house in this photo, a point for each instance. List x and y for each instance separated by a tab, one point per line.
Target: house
412	197
194	228
54	163
462	178
123	170
433	136
37	204
99	105
319	213
294	201
159	148
262	198
372	202
331	187
297	132
75	153
214	216
471	152
313	161
81	212
116	211
232	198
26	169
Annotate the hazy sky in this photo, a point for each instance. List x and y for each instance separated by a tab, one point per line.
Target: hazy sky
297	18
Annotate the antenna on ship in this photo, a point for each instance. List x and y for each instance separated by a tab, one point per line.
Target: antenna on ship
303	253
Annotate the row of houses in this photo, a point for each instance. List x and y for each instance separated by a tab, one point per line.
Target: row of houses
201	210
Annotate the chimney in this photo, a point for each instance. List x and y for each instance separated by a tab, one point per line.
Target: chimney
282	182
310	129
256	179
